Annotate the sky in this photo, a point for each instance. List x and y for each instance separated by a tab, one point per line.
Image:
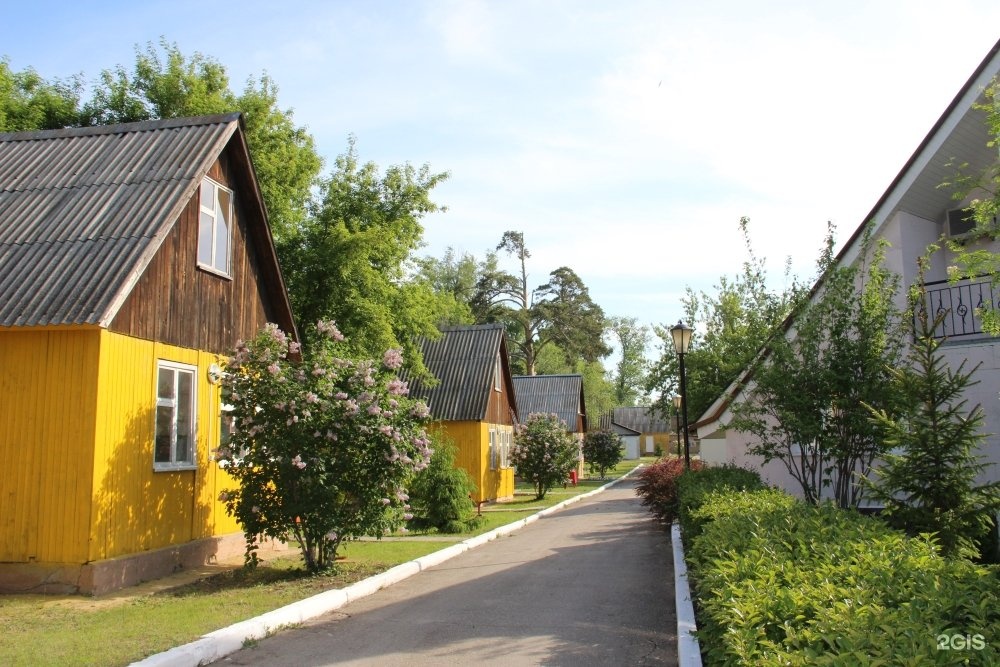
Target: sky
624	138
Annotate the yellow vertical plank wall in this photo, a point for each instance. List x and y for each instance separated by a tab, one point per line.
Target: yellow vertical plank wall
137	508
47	421
472	440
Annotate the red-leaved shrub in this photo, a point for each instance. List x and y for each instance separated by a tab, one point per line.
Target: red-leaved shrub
658	486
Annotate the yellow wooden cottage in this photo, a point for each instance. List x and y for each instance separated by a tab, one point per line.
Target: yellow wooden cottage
132	257
473	403
561	395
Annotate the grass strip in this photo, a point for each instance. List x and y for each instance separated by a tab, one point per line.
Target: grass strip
42	630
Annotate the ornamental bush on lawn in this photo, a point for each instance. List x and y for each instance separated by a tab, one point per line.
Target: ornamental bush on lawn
544	452
602	450
321	447
441	494
657	486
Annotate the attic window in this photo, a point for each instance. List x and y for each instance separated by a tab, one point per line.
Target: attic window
215	227
498	375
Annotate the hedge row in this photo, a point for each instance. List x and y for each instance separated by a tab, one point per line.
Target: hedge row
780	582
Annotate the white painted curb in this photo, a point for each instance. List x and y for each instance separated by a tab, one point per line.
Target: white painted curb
688	649
218	644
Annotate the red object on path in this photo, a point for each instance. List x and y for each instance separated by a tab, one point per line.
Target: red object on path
572	477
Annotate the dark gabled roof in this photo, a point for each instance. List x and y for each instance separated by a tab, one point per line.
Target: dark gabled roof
463	361
642	419
84	210
559	394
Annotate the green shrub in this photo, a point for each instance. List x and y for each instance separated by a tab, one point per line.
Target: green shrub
602	450
544	452
692	490
657	487
440	494
781	582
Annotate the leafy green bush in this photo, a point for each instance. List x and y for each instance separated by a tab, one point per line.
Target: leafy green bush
657	486
781	582
544	452
440	495
692	490
602	450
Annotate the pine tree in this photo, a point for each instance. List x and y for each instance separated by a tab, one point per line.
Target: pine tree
928	485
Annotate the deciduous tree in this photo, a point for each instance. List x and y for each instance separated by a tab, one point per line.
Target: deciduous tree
322	448
731	326
29	102
803	403
349	261
602	450
630	374
544	452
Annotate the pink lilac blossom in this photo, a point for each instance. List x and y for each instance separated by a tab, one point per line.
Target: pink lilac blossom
298	462
273	369
393	358
374	410
329	329
224	496
397	387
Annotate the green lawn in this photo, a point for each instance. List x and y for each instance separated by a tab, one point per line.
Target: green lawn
39	630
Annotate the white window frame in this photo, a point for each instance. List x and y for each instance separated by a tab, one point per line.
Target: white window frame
498	375
494	441
176	369
219	219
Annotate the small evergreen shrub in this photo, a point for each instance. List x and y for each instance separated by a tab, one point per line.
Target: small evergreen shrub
602	450
780	582
440	495
657	486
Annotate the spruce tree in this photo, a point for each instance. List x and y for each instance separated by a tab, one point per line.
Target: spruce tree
928	483
440	494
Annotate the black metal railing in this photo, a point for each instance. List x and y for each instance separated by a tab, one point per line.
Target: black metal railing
955	308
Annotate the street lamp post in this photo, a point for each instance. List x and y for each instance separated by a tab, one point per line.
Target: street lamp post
681	334
677	421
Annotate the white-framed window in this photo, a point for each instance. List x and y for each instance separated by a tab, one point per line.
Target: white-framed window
506	436
498	375
176	416
215	227
493	449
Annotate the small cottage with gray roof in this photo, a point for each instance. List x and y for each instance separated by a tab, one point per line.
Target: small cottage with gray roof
472	402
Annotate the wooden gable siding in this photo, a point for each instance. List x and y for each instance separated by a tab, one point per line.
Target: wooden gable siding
498	408
177	303
47	420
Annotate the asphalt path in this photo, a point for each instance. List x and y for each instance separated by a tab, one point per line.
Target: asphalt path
591	584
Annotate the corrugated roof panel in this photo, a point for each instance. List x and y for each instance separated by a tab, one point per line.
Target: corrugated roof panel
643	419
463	361
80	207
547	394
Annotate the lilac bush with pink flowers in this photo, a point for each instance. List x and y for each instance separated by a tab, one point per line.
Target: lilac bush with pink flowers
322	447
544	452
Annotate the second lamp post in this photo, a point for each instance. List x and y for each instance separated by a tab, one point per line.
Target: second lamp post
681	334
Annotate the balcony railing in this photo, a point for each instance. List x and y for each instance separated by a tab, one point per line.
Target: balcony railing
956	307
